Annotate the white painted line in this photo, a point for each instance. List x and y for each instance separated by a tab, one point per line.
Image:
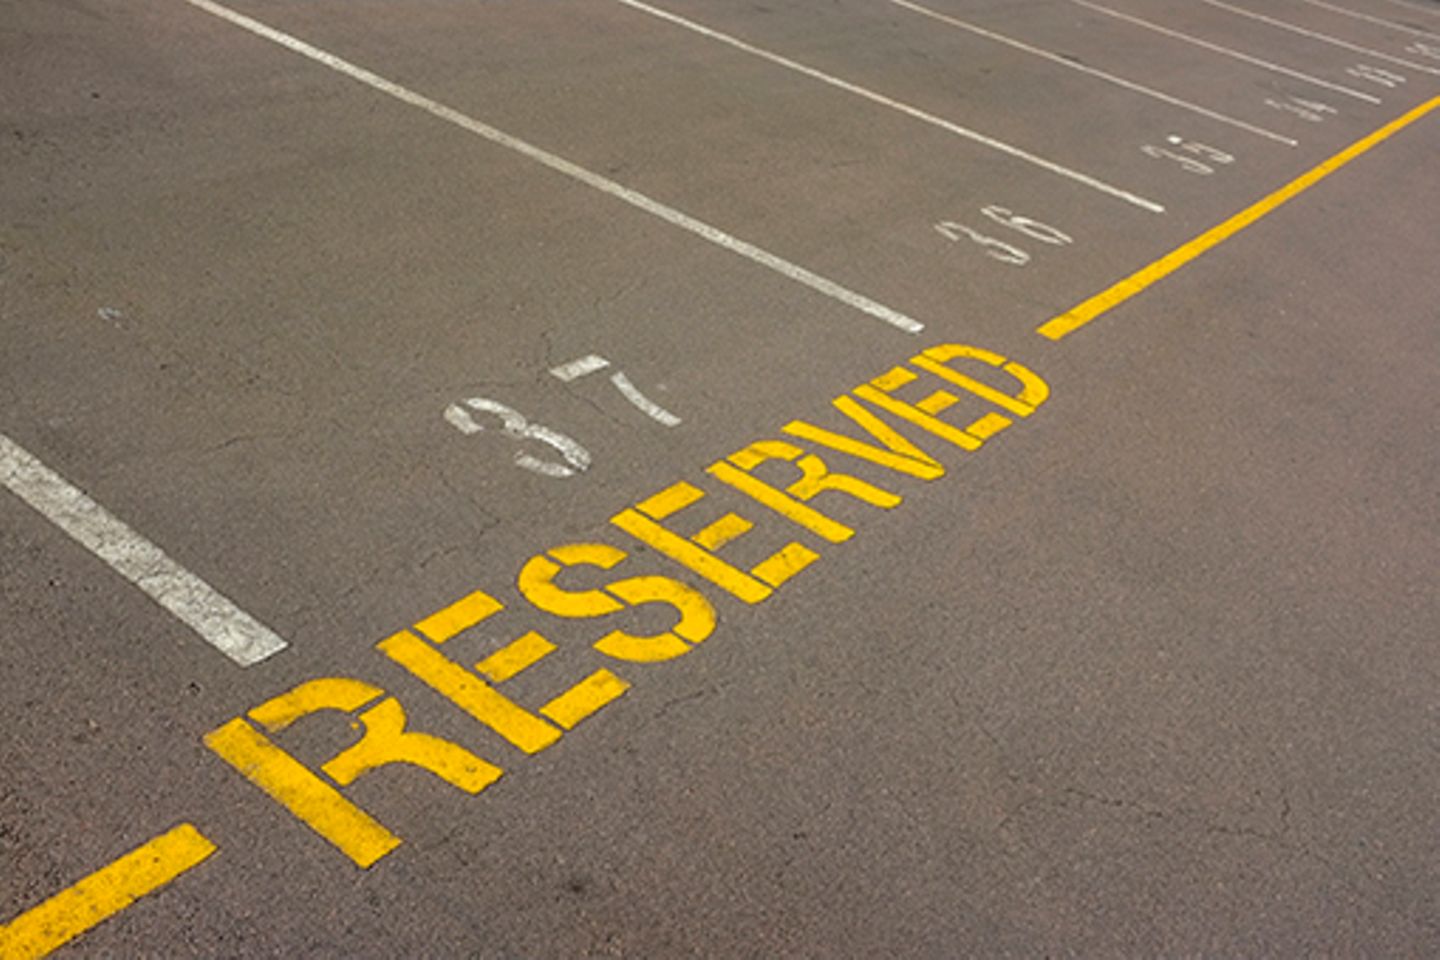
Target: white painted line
576	369
1093	72
195	603
1324	38
644	403
560	165
904	108
1415	6
1391	24
1236	54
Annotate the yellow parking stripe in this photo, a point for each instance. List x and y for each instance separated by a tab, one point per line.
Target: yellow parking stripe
103	894
1067	323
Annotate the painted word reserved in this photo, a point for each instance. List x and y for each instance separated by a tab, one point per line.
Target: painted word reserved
560	582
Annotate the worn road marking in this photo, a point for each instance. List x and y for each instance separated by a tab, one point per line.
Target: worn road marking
575	369
1324	38
194	602
1391	24
574	171
518	427
1093	72
1067	323
1234	54
641	402
904	108
103	894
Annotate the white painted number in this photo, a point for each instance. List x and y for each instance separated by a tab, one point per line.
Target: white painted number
1425	50
1200	149
576	369
998	249
519	429
1311	110
1188	164
1031	228
515	426
1386	78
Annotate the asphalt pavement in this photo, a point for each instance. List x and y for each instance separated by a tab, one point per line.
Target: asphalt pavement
924	478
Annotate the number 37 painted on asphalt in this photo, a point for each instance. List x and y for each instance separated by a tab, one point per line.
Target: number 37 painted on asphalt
572	457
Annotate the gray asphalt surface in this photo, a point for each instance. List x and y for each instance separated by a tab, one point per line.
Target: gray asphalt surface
1151	673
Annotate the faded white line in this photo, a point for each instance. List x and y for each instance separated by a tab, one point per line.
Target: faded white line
1130	85
1391	24
1322	37
1415	6
195	603
1236	54
904	108
560	165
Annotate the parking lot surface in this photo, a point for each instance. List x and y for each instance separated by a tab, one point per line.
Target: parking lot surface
613	478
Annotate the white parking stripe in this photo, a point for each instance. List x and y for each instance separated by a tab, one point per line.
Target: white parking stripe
1236	54
1093	72
576	172
904	108
1322	37
1415	6
1389	24
194	602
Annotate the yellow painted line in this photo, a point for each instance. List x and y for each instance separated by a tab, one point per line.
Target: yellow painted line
103	894
585	698
1067	323
516	657
354	832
